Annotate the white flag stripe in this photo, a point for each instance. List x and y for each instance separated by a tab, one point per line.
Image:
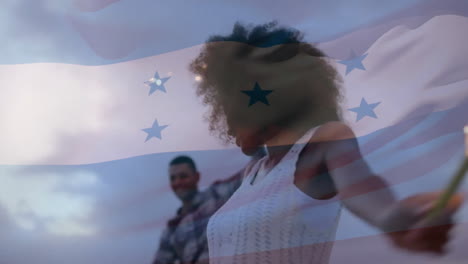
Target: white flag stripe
408	68
70	114
66	114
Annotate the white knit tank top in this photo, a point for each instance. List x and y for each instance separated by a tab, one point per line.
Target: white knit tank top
272	221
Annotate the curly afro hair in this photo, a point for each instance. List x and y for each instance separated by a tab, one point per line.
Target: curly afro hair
221	63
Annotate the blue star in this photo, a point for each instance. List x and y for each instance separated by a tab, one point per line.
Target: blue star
258	95
354	62
156	83
154	131
365	109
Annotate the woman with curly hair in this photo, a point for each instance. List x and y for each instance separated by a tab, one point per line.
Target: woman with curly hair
267	88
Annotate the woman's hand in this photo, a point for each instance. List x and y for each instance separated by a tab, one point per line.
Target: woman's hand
410	227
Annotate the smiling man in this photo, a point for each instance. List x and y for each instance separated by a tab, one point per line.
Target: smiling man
184	178
184	239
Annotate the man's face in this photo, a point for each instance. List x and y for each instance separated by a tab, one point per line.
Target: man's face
184	180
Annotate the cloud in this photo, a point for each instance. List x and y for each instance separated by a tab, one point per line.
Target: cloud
41	103
35	201
38	31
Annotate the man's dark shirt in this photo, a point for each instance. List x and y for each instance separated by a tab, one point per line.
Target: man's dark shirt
184	239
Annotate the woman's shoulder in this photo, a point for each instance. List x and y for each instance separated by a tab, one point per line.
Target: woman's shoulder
332	131
329	137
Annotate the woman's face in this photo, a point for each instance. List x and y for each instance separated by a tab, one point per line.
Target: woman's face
249	139
295	88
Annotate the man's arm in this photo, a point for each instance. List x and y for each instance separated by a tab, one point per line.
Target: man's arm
166	253
226	187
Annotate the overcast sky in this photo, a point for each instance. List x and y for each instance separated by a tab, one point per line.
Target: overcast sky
100	193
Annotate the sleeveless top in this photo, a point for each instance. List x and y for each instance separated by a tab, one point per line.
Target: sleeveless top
272	221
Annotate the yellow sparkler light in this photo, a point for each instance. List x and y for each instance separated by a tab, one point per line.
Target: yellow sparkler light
454	183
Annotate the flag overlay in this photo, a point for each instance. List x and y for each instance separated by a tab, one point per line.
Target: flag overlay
96	99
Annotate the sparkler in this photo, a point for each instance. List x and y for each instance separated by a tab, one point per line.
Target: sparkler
453	185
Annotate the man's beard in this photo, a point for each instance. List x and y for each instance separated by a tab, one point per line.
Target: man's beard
186	195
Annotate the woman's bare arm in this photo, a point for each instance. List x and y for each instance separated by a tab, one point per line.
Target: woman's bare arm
370	198
365	194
